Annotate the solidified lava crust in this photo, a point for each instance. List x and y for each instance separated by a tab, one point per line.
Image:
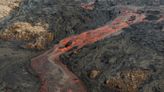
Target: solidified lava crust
129	62
94	46
44	70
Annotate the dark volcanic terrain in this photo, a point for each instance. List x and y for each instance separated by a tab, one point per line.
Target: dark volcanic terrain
132	61
129	62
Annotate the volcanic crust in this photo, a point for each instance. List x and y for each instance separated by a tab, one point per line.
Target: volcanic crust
138	51
129	61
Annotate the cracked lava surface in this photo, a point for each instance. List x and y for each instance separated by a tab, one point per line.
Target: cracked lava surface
47	64
99	46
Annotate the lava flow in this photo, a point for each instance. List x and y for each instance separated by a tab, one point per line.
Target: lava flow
89	37
55	76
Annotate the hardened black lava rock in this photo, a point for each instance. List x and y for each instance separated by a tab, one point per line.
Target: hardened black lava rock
137	48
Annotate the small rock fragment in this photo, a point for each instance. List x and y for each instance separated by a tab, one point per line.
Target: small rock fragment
94	73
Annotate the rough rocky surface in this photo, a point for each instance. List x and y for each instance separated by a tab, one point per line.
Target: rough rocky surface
15	74
49	67
34	37
19	19
64	18
138	51
6	6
